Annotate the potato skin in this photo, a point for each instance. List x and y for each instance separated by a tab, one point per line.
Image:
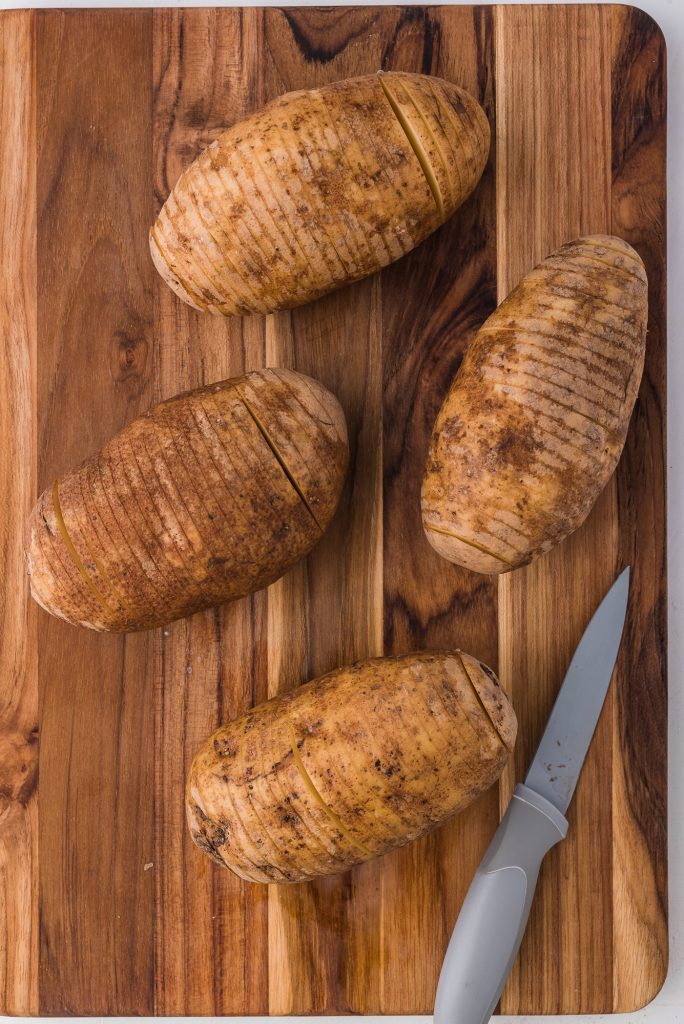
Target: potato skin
318	189
536	419
349	766
209	496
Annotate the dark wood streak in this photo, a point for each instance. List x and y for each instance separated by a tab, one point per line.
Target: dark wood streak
638	106
165	130
484	41
414	20
407	620
440	360
638	191
447	288
433	300
321	39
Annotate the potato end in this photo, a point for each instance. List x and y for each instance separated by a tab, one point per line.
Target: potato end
447	130
55	583
463	550
493	699
331	415
470	133
40	576
616	252
287	407
221	839
167	275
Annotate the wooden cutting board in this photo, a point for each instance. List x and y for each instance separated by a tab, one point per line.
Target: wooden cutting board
105	905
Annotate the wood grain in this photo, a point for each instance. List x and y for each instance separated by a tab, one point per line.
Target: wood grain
340	583
100	112
210	946
94	309
433	301
18	652
556	174
639	775
553	169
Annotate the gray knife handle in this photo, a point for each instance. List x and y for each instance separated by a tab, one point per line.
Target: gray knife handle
494	914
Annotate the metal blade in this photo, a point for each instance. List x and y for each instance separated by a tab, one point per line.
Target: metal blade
563	748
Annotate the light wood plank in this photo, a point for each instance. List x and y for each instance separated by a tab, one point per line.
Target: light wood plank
326	613
210	928
18	653
553	184
93	81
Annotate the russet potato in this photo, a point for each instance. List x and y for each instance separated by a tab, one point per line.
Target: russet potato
318	189
349	766
536	418
209	496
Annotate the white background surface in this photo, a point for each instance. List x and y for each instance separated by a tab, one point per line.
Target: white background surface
668	1006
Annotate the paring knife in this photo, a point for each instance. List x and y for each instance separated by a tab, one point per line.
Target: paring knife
493	917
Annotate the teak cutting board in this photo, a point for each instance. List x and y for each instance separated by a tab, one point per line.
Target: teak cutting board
105	905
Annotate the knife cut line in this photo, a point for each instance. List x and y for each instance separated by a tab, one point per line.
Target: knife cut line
415	144
482	704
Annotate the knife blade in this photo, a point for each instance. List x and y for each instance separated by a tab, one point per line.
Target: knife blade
492	921
560	755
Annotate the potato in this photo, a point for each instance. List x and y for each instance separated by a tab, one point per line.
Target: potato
351	765
317	189
536	419
208	497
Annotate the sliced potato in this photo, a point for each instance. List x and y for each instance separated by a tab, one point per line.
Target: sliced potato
317	189
351	765
208	497
536	419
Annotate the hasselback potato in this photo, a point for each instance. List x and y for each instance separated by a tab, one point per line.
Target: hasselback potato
349	766
319	188
536	418
208	497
